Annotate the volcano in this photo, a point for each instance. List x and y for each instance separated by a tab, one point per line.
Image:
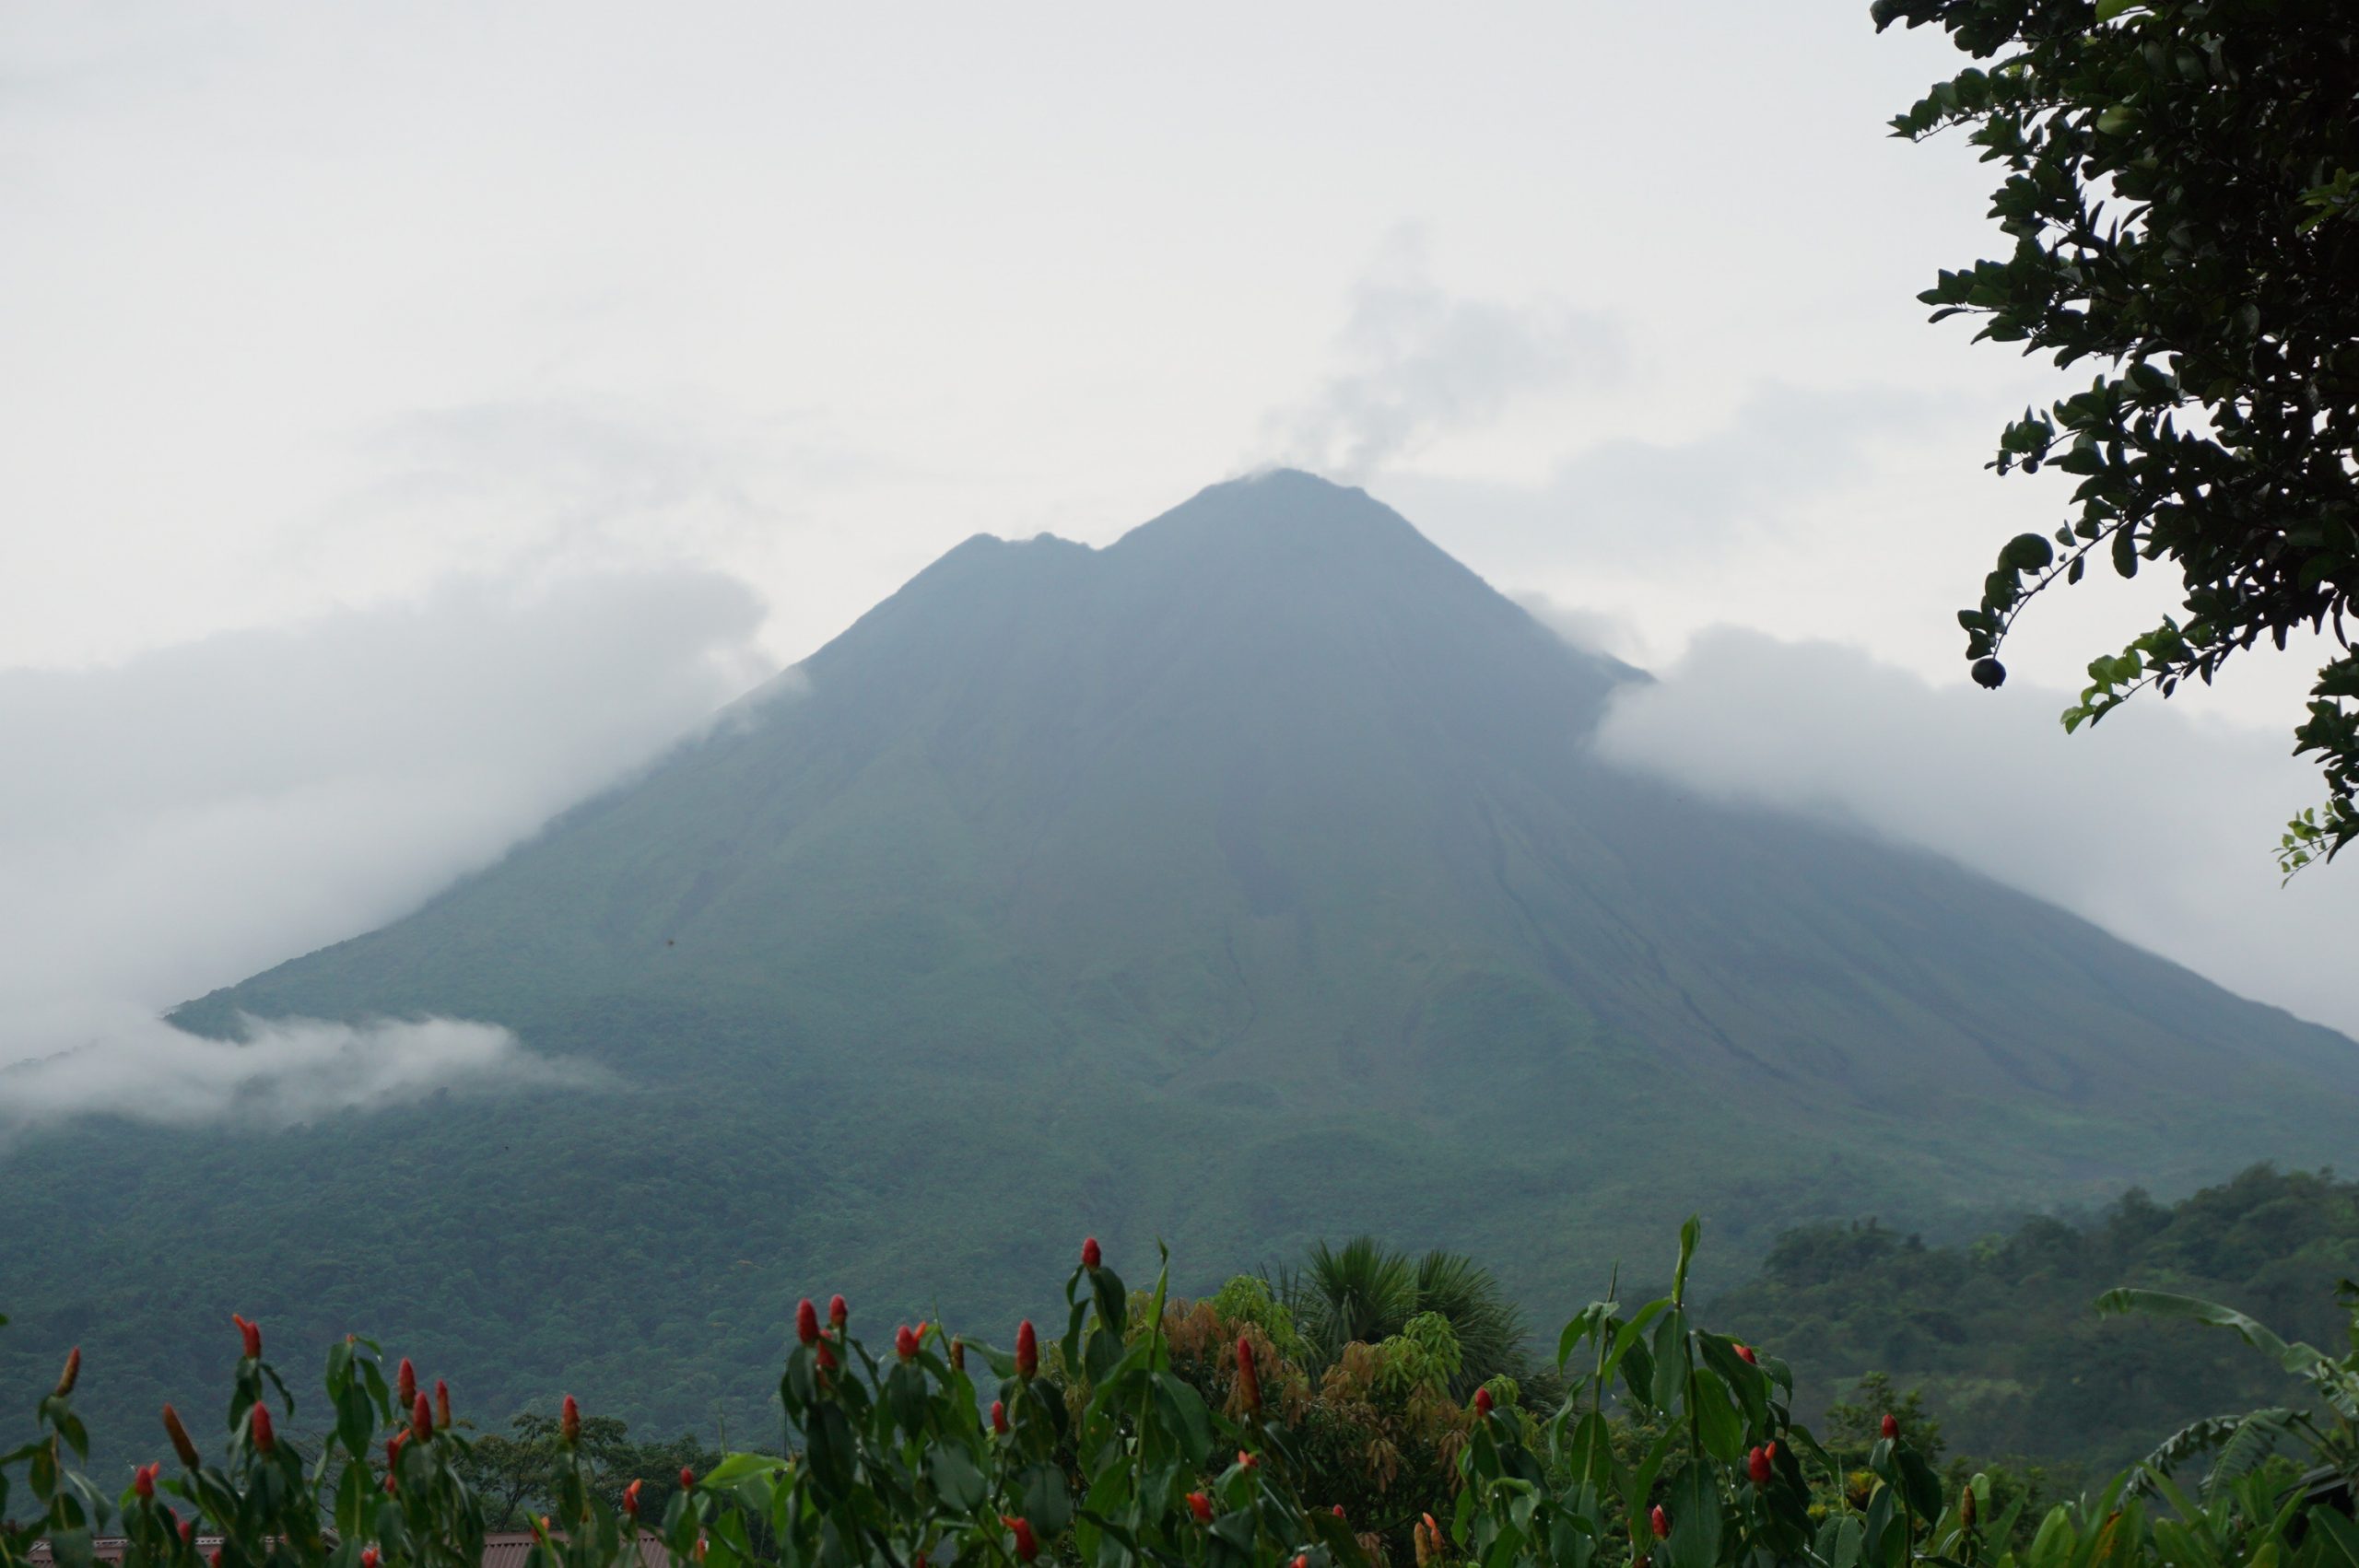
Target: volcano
1249	880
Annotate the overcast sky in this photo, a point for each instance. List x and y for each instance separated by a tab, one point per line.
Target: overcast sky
354	327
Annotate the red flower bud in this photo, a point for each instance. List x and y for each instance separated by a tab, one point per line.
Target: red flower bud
806	1322
999	1417
1090	1255
1249	1461
1338	1510
421	1419
393	1447
188	1529
368	1557
1301	1560
405	1384
1201	1506
442	1405
823	1358
1891	1428
905	1342
66	1379
630	1500
252	1334
1756	1465
1028	1351
1027	1549
838	1313
1772	1452
1482	1404
1248	1379
568	1422
142	1481
179	1434
1745	1353
1660	1522
688	1479
258	1428
214	1558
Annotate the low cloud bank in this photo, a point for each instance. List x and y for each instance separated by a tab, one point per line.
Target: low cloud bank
176	823
283	1074
2155	824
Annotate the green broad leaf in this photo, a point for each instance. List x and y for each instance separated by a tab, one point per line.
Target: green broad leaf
1693	1499
2296	1358
1718	1424
1046	1501
1190	1419
2028	553
2108	9
1838	1542
955	1478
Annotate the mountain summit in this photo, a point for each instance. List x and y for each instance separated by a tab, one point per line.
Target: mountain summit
1248	880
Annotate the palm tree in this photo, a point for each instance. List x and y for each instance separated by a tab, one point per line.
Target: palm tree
1366	1292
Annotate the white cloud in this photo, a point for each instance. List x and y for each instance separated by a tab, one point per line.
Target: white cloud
120	1061
180	821
1422	363
2156	823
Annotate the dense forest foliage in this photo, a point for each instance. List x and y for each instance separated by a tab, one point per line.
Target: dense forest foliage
1999	1334
1155	1432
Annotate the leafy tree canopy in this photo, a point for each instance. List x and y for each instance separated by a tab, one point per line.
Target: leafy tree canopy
2180	191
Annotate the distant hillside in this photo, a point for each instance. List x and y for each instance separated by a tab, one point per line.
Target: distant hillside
1246	881
2000	1335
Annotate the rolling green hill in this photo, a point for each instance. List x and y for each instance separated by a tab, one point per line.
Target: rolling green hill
1246	881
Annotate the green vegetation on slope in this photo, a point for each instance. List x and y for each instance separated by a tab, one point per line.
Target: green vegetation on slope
2000	1336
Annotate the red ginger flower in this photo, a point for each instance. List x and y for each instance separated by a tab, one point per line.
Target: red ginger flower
1028	1351
393	1447
421	1419
405	1384
142	1481
1301	1560
905	1342
630	1500
369	1557
838	1313
1890	1428
66	1379
1660	1522
568	1422
1339	1510
1249	1461
999	1417
442	1405
1027	1549
688	1479
1201	1506
1090	1254
179	1434
806	1322
188	1529
213	1558
1483	1404
1756	1465
825	1358
258	1428
1248	1379
1745	1353
250	1332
